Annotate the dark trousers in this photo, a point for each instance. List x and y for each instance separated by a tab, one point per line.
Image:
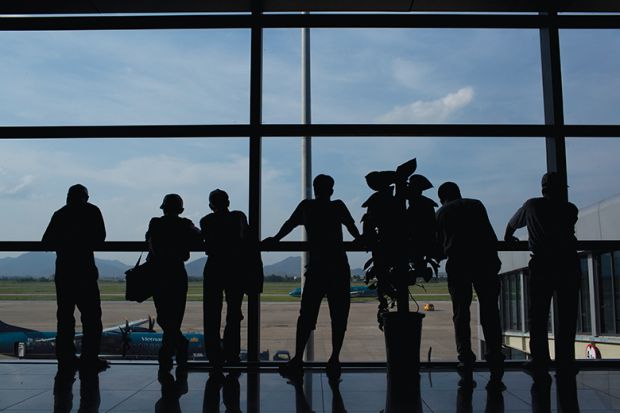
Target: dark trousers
170	298
218	285
76	290
549	276
337	288
486	283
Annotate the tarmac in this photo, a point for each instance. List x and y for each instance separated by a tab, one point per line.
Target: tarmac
363	342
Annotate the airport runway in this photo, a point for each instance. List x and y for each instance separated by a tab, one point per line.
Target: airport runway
364	341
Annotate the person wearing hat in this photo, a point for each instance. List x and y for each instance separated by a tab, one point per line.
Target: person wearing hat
74	232
232	269
328	273
468	241
422	224
170	239
553	269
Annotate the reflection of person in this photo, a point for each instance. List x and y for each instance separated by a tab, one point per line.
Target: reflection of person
170	238
231	390
328	270
74	232
470	244
90	397
554	268
227	243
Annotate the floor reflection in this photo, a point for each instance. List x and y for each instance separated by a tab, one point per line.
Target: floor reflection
230	388
403	395
171	390
90	397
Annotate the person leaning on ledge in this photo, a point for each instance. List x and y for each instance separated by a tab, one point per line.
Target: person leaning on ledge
74	232
554	269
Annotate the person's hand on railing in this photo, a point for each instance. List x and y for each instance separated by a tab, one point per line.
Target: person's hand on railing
270	241
511	238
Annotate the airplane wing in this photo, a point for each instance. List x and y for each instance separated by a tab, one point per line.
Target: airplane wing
135	323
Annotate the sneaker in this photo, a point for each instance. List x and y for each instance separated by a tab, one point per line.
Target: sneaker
466	372
333	371
68	365
293	370
95	365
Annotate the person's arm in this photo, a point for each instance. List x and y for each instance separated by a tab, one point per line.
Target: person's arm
205	234
517	221
348	221
440	224
50	236
100	234
290	224
487	223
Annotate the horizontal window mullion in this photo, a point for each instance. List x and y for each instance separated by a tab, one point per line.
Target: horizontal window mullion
128	246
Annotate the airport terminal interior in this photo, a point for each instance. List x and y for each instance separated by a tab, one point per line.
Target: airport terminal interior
554	138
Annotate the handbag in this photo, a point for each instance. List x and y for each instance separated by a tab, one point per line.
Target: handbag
139	281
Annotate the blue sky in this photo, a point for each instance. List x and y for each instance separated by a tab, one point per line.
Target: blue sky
366	76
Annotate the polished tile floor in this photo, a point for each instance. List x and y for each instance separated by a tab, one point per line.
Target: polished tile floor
27	387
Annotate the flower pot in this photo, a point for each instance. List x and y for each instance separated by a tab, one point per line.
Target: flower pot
403	332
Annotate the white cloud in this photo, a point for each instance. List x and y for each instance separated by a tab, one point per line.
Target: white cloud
430	111
411	74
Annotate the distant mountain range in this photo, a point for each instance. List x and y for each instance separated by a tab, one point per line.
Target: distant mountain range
41	264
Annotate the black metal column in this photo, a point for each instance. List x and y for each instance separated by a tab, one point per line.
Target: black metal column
552	96
256	87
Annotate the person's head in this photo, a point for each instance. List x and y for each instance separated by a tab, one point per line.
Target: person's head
218	200
448	191
323	186
172	204
418	184
77	194
552	185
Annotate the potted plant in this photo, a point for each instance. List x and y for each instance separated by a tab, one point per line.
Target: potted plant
390	269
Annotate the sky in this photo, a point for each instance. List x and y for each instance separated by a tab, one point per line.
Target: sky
358	76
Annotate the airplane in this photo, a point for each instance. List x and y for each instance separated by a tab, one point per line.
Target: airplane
356	291
129	341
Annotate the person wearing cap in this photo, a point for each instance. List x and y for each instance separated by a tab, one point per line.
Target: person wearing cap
74	232
469	243
553	269
422	224
170	239
233	268
328	273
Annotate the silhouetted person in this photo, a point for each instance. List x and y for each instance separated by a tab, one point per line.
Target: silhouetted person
228	271
422	224
170	238
74	232
554	269
328	273
470	244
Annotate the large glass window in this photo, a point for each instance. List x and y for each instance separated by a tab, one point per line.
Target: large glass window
124	77
584	321
607	311
590	76
426	76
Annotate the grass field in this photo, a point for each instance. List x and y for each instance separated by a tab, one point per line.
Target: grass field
115	291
